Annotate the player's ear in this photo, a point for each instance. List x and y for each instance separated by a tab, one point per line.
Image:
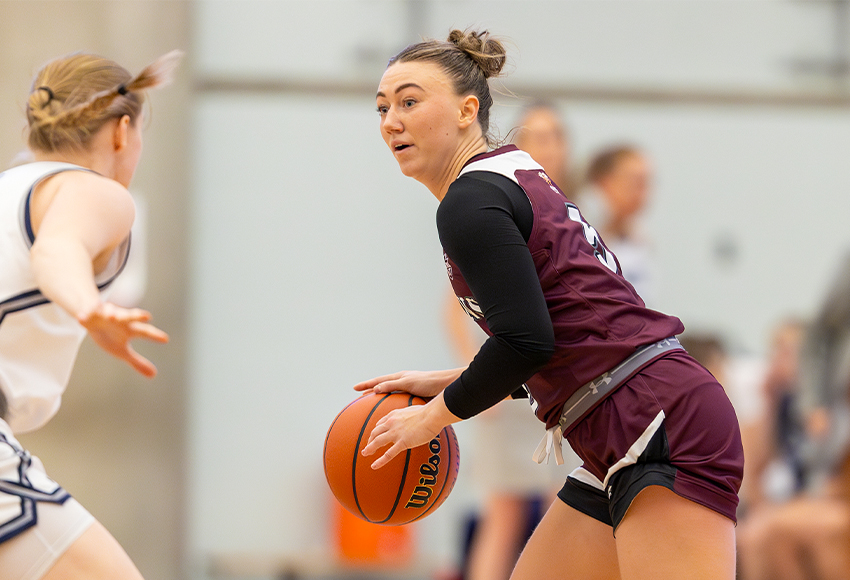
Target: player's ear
468	112
120	133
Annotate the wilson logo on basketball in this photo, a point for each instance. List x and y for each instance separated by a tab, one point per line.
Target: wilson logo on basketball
429	472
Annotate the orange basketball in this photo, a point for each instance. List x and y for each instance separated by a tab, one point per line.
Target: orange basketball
407	488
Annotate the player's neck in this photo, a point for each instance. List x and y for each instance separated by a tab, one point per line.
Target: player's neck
452	169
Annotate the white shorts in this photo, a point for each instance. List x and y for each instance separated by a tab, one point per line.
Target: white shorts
38	519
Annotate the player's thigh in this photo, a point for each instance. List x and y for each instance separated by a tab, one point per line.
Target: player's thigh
664	534
95	555
568	544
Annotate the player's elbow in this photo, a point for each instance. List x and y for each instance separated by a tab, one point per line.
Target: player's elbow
540	357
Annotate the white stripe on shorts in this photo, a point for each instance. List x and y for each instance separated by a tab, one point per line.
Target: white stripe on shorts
637	448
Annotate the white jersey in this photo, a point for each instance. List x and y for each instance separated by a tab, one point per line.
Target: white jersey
38	340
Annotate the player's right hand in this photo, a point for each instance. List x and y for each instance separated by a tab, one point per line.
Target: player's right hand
424	384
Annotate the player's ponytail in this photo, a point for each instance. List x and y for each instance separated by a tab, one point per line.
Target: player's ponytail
468	58
74	96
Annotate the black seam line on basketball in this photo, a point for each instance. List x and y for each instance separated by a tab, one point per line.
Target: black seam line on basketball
357	452
448	470
403	476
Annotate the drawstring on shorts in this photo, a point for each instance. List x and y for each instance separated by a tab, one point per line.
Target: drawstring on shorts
594	391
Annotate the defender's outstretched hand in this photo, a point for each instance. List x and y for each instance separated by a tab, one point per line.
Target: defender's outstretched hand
113	327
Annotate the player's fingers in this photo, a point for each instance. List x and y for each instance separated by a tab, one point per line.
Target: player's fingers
374	442
148	331
381	388
388	386
388	455
141	315
140	363
372	383
136	314
367	385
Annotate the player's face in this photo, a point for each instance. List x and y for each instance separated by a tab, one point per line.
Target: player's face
419	113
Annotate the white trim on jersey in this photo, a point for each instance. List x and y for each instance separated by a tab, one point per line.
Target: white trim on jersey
506	164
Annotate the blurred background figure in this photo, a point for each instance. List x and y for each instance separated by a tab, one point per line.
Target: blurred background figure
542	133
616	193
773	438
516	493
795	522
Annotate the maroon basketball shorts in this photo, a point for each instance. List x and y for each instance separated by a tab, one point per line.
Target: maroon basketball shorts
670	425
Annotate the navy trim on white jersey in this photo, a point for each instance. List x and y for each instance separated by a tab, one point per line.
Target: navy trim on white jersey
29	495
22	301
26	222
33	298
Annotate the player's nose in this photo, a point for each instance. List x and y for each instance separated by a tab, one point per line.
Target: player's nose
391	122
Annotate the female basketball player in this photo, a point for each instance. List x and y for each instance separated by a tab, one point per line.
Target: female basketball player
658	437
64	237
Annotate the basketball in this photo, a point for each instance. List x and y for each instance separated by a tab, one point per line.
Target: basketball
404	490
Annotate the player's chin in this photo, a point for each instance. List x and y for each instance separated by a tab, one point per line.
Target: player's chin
408	169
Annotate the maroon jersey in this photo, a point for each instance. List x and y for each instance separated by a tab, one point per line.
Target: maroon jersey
598	318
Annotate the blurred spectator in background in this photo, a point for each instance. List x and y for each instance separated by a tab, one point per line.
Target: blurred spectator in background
773	440
617	188
796	522
541	133
516	493
825	382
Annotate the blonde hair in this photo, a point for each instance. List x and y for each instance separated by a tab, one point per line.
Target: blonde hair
468	58
73	96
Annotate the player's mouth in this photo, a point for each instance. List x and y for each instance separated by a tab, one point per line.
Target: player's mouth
397	147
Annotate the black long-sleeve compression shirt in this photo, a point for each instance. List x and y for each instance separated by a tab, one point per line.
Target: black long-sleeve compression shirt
484	222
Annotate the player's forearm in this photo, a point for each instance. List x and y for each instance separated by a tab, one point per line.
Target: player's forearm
438	414
63	272
450	375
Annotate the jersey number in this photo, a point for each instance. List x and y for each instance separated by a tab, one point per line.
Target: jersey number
592	236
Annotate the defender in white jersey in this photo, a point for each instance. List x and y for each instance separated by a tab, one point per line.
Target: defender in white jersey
64	237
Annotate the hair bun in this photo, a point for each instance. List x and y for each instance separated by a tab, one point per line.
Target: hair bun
487	52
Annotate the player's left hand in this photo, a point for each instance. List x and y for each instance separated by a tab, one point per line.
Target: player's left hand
406	428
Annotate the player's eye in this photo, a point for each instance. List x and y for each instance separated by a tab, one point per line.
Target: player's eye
382	109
